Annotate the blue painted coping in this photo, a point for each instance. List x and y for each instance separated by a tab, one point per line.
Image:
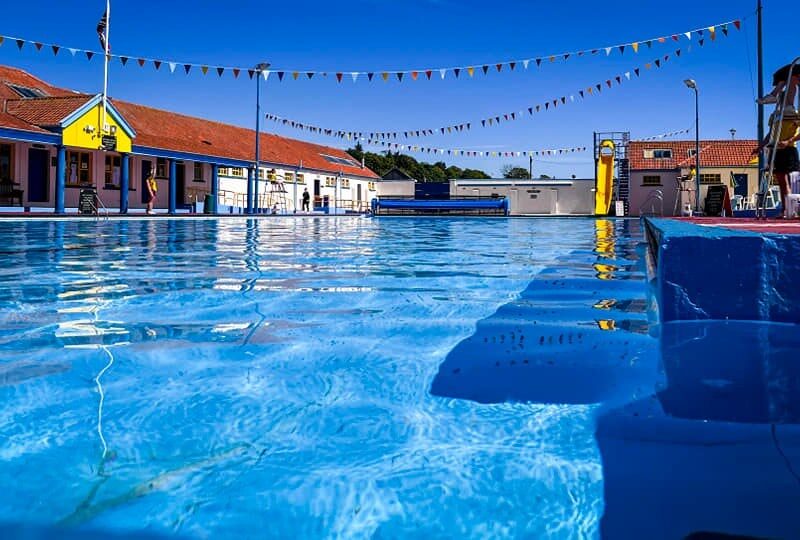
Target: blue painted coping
714	273
452	204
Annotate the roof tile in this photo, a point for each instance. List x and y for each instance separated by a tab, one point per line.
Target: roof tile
713	153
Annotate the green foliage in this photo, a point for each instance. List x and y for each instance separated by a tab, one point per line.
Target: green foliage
517	173
421	171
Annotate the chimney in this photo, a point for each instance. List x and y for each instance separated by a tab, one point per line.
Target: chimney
362	161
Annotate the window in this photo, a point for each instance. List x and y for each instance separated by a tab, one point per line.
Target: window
691	152
301	178
26	92
237	171
79	168
340	161
272	175
260	173
288	177
112	173
658	153
330	181
6	163
654	180
710	178
345	183
222	171
198	172
161	168
371	186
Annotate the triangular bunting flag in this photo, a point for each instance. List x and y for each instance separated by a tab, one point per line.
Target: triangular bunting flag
414	75
72	51
581	94
566	56
369	76
157	64
37	45
512	65
635	47
737	24
713	31
608	83
470	71
220	71
619	79
700	42
628	75
442	73
622	49
55	48
236	72
172	66
20	43
295	75
339	77
724	29
89	55
675	37
204	69
400	76
354	75
187	68
280	76
499	67
141	62
485	69
658	63
636	71
538	62
688	35
608	51
385	76
428	73
525	63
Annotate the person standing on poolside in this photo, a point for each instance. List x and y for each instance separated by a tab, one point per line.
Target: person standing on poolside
306	200
152	190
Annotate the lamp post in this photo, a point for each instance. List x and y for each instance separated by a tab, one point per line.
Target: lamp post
692	85
259	70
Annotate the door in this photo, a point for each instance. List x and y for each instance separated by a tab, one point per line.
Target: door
741	185
317	198
180	183
146	168
38	175
358	195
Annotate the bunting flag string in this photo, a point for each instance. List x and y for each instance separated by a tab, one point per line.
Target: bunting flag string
425	74
495	120
665	135
472	153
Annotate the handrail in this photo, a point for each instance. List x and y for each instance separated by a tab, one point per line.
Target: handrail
96	209
655	196
765	177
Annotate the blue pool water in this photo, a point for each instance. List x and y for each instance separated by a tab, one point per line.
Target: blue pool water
324	378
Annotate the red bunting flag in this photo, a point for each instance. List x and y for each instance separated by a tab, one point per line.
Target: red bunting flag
737	24
428	74
37	45
141	62
236	72
339	77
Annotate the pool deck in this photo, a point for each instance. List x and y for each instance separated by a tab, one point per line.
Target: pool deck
726	269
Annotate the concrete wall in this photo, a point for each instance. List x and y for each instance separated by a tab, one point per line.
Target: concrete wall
396	188
639	192
526	197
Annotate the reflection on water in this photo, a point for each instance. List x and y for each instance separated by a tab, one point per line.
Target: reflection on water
235	378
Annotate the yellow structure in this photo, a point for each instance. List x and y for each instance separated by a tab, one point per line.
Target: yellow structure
605	178
84	129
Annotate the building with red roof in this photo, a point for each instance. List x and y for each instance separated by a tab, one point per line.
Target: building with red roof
659	166
55	142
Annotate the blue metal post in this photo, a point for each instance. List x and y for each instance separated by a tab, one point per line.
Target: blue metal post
124	184
173	185
61	177
215	185
249	208
258	137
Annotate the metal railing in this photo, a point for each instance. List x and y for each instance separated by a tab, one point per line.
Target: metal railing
99	205
656	196
766	176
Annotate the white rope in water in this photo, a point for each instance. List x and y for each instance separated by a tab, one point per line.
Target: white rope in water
102	399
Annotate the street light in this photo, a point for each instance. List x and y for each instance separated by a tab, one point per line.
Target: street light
733	133
692	85
259	70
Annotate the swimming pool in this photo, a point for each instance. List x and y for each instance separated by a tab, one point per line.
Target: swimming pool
318	377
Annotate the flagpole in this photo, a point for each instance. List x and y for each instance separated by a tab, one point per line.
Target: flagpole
105	65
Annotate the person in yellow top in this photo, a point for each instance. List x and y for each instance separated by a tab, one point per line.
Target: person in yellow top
786	156
152	190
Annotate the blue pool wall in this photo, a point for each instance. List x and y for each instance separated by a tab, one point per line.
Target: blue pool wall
714	273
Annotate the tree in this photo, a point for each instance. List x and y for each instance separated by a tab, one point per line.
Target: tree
474	174
519	173
421	171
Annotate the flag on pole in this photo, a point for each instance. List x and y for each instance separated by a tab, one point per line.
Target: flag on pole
102	28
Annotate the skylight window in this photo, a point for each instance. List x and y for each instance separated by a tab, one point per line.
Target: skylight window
340	161
26	92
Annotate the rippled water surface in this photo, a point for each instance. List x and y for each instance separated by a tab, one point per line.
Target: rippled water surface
307	378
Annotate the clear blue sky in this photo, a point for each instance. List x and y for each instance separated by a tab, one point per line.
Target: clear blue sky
376	35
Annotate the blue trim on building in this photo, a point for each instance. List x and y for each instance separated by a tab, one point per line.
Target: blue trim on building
29	136
124	183
61	178
173	185
89	105
181	156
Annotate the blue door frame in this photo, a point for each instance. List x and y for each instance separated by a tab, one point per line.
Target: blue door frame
147	165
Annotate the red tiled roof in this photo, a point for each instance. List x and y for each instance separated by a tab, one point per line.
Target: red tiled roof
45	112
10	75
169	131
177	132
713	153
